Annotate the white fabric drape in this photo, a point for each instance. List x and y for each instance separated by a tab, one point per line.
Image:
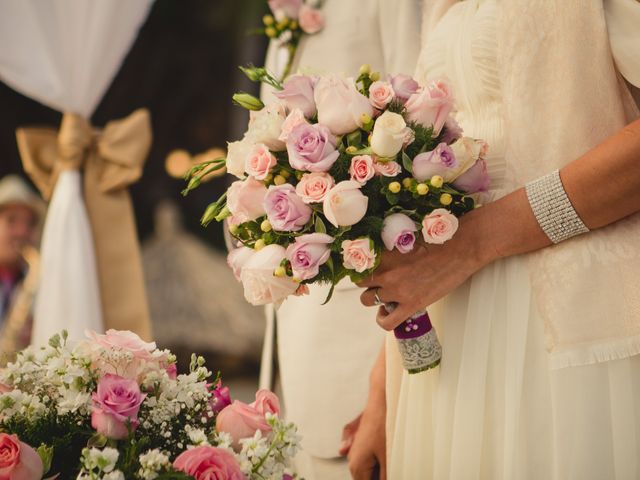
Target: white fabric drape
64	54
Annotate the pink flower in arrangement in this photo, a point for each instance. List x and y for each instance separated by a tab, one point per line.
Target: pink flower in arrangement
124	340
381	94
295	118
311	19
259	162
431	106
290	8
476	179
260	285
452	131
439	161
345	204
302	290
398	232
115	406
340	105
439	226
220	398
285	209
312	148
237	258
404	86
208	463
362	168
172	371
297	93
313	187
18	461
245	199
307	253
266	402
4	388
387	169
358	255
241	421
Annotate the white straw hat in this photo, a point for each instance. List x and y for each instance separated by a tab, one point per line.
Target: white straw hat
15	191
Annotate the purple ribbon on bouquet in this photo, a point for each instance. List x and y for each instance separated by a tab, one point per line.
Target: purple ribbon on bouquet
418	343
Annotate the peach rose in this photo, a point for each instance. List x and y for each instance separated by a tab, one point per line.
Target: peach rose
208	463
266	402
380	94
124	340
361	169
311	19
340	105
387	169
313	187
261	286
431	106
241	421
18	461
358	255
295	118
345	204
237	258
439	226
245	199
259	162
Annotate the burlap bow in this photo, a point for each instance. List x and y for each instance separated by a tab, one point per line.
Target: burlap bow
111	159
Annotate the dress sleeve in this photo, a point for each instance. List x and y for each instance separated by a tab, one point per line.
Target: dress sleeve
623	24
399	26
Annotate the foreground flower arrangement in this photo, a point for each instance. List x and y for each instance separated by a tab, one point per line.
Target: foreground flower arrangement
113	407
335	171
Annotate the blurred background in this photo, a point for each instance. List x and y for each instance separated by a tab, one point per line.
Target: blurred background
183	68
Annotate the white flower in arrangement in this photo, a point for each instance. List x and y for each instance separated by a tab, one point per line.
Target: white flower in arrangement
115	475
152	462
71	400
196	435
17	402
265	126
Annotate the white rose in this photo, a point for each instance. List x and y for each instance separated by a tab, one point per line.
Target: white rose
237	153
345	204
389	133
467	151
261	286
340	105
265	126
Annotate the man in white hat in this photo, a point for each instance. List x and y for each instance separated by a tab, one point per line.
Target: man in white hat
20	213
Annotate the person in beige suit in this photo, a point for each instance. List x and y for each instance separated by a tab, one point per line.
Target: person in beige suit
325	352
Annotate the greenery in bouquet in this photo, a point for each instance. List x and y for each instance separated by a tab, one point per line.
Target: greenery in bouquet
335	170
114	407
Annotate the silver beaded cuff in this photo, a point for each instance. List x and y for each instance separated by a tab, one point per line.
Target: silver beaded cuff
552	208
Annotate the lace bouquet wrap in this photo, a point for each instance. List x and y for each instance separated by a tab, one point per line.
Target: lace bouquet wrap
337	170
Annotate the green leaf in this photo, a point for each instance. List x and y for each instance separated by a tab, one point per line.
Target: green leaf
354	139
46	455
320	226
406	162
329	295
98	441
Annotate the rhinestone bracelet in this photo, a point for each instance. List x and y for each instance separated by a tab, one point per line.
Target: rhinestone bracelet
552	208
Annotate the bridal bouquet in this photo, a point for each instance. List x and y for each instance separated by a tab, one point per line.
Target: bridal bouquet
113	407
335	171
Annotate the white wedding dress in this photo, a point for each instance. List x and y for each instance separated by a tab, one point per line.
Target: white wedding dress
494	409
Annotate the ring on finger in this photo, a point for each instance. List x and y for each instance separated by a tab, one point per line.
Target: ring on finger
377	297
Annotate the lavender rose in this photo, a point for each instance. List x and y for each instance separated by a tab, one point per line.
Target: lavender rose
285	209
298	93
439	161
312	148
404	86
398	232
476	179
307	253
431	106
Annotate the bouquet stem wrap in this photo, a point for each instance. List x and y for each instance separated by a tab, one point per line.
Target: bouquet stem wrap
418	343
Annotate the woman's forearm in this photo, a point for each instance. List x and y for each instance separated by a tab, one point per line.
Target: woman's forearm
603	186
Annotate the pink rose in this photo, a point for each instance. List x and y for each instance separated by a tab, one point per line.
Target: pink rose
476	179
290	8
172	371
285	210
208	463
245	199
439	226
380	94
115	406
259	162
295	118
266	402
220	398
241	421
261	286
387	169
439	161
307	253
298	93
404	86
4	388
398	232
312	148
431	106
361	169
302	290
313	187
18	461
124	340
358	255
311	19
345	205
237	258
452	131
340	105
